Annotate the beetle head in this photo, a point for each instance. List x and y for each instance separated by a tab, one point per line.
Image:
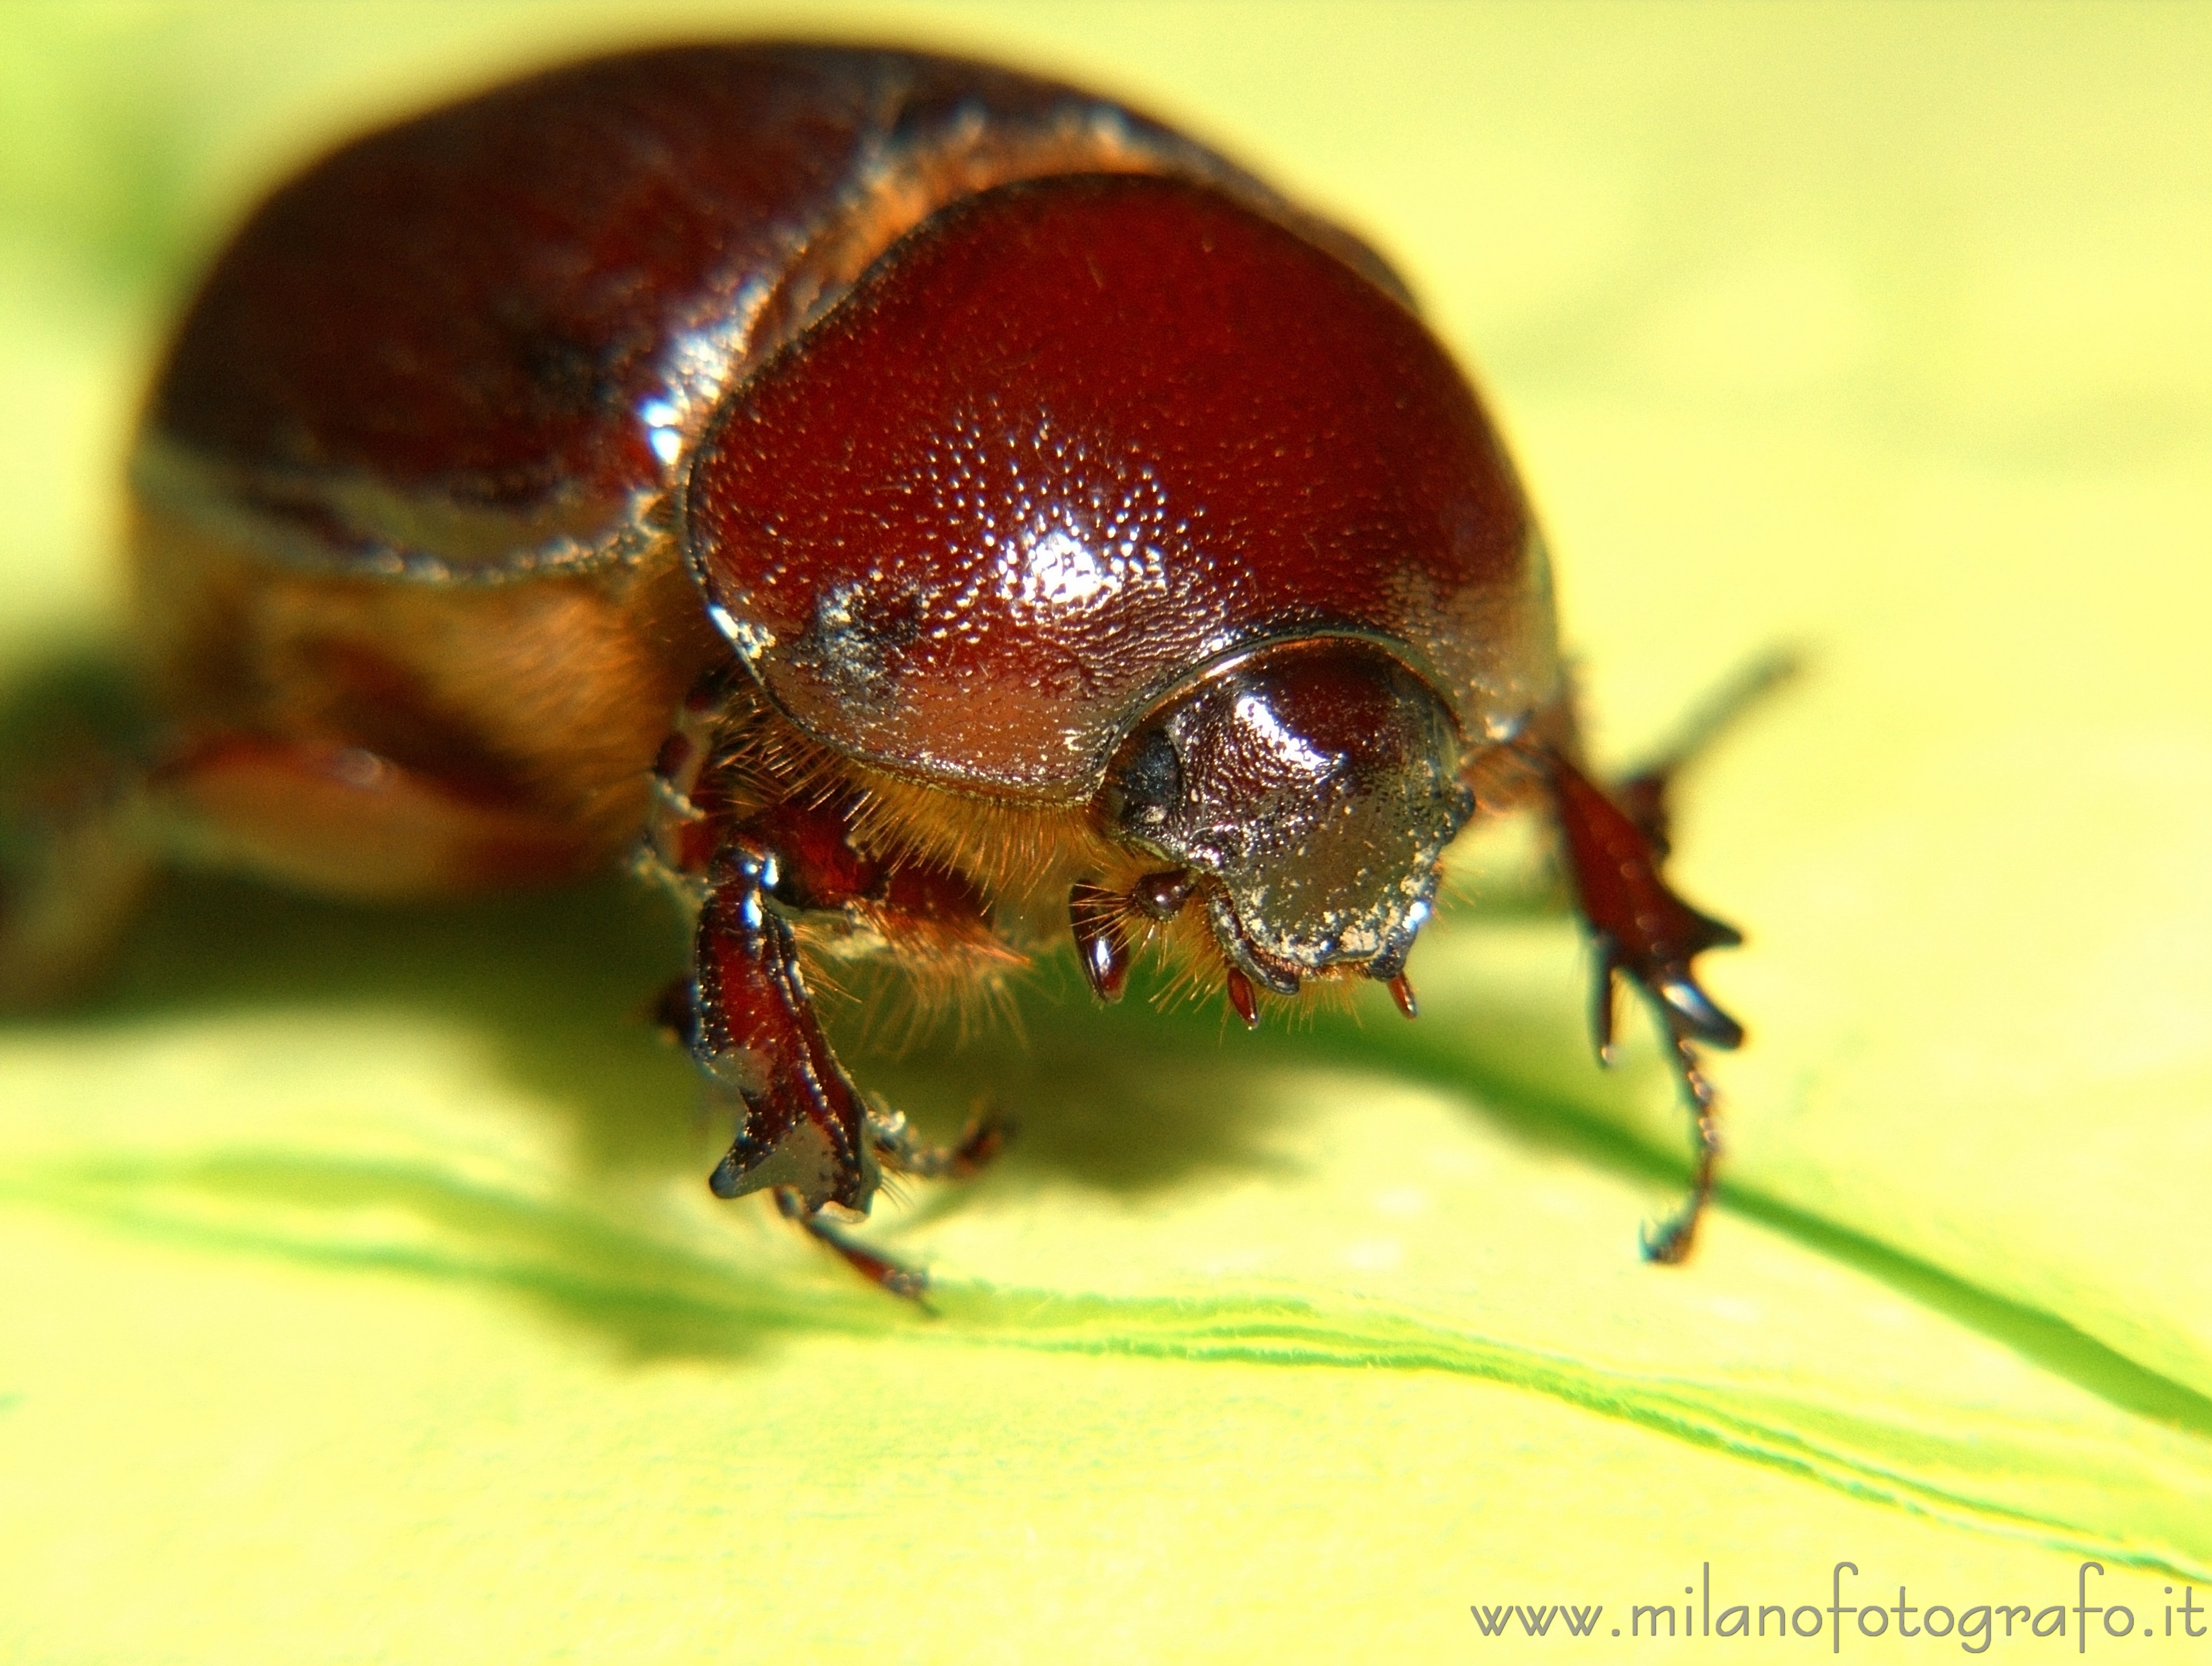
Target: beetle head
1312	787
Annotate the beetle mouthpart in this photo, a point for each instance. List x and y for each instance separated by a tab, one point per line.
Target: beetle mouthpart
1312	788
1247	960
1402	993
1241	998
1162	894
1093	915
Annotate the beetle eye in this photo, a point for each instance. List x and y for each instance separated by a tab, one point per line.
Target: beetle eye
1149	783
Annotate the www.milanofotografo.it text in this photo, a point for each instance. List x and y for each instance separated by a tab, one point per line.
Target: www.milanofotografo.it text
2147	1608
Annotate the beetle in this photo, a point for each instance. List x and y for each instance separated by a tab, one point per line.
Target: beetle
1039	528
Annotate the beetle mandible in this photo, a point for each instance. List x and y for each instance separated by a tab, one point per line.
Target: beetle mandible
1038	527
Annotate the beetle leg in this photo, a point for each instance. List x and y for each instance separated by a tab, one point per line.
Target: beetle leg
754	1030
1643	795
334	818
688	796
888	1275
1670	1244
899	1150
75	861
349	822
808	1133
1641	928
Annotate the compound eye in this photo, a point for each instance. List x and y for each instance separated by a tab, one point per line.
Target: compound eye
1147	788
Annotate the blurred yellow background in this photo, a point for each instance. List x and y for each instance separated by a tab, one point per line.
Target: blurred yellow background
364	1299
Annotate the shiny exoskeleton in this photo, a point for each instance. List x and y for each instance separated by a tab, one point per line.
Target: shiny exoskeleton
1037	527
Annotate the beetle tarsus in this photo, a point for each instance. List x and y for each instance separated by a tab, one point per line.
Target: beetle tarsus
899	1150
893	1278
1669	1245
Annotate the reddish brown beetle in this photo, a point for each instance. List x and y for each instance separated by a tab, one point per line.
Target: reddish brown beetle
1037	526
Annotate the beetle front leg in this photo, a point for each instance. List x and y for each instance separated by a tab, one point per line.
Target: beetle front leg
808	1133
754	1029
1640	928
885	1273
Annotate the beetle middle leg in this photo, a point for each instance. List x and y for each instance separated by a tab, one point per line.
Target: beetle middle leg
80	848
900	1152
